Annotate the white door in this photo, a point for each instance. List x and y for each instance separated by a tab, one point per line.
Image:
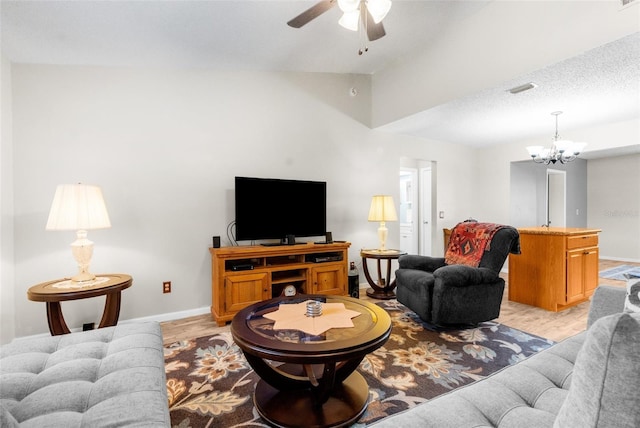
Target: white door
416	199
426	220
556	198
408	216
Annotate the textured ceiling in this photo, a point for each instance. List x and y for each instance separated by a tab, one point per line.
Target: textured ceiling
599	86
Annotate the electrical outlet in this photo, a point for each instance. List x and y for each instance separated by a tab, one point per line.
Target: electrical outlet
166	287
88	326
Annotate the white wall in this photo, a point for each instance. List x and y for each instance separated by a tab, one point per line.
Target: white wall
7	303
165	147
614	205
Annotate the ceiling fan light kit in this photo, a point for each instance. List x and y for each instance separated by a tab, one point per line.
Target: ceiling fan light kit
356	15
562	151
352	10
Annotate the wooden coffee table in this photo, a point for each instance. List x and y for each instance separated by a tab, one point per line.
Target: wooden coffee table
310	380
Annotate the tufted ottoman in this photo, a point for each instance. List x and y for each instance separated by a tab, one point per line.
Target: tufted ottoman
110	377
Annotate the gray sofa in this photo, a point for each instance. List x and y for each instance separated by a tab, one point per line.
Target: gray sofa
109	377
589	380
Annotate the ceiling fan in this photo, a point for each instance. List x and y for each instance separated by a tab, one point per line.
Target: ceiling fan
368	13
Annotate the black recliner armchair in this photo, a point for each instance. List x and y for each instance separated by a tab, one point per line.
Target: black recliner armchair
442	293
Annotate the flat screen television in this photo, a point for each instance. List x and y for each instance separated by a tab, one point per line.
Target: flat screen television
269	208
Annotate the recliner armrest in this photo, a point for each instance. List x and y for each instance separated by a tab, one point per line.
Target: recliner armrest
425	263
462	275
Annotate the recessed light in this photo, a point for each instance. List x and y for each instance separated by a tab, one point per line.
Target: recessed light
522	88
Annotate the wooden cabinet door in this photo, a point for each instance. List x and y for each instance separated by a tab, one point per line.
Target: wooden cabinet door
243	290
329	279
575	276
591	258
582	273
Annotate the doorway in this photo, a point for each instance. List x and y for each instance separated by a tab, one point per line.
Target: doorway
556	198
417	193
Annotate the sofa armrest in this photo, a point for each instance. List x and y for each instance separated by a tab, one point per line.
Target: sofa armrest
462	275
607	300
425	263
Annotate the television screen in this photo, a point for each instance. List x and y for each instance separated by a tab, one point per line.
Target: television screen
268	208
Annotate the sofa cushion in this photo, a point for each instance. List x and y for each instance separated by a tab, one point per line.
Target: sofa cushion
109	377
6	419
604	388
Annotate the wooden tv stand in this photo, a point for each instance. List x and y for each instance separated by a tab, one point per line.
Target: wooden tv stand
244	275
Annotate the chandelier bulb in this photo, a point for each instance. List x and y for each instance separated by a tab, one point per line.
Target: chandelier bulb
562	151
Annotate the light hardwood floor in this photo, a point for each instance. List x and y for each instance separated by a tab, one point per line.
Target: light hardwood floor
551	325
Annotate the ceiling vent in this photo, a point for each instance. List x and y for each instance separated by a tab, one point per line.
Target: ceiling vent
522	88
626	2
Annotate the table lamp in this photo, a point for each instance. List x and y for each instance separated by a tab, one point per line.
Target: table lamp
79	207
382	210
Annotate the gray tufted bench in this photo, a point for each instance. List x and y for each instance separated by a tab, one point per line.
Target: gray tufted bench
110	377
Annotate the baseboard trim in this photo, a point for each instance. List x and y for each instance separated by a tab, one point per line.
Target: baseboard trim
170	316
619	259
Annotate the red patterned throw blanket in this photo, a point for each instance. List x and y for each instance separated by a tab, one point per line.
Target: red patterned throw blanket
468	242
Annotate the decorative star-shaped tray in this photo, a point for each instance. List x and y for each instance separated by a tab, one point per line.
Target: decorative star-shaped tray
293	316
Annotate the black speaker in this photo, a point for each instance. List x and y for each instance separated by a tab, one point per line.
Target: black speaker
354	287
216	242
291	239
354	291
328	237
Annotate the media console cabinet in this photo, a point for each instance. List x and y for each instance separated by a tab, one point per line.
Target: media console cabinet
244	275
557	267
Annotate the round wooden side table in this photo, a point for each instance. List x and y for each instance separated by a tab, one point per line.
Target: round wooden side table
383	289
60	290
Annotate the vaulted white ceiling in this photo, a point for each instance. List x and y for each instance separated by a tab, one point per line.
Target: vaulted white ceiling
229	35
598	86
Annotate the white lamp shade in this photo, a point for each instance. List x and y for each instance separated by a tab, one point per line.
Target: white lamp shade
578	147
350	20
563	145
348	5
382	209
78	207
534	150
378	9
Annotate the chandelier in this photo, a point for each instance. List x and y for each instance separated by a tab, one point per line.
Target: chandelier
562	151
351	12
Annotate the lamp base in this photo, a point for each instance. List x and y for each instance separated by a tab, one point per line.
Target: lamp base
83	277
382	236
82	250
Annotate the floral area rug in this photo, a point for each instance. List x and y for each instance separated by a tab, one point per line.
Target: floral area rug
210	384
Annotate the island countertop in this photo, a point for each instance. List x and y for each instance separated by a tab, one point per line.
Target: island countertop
565	231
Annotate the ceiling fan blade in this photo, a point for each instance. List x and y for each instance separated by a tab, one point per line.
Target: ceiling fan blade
312	13
374	31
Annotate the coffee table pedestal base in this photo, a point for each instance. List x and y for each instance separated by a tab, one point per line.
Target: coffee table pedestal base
297	408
